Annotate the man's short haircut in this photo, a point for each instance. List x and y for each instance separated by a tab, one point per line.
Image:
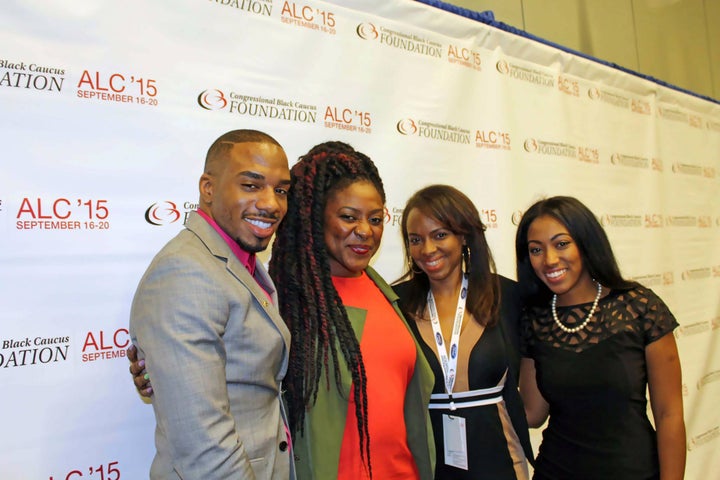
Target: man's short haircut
226	141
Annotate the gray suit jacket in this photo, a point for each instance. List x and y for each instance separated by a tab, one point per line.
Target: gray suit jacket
216	350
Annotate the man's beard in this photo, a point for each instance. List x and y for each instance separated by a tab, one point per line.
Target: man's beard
257	247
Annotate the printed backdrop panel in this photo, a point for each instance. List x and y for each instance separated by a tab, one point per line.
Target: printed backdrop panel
109	108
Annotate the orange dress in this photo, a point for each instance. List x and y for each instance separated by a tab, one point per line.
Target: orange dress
389	356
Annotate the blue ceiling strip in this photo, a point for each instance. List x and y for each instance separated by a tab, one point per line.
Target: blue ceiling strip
488	18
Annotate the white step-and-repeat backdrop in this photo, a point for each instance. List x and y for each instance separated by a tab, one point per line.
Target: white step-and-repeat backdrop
107	110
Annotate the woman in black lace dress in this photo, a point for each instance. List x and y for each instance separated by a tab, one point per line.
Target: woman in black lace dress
592	342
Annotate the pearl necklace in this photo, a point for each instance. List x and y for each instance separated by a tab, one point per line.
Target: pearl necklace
587	319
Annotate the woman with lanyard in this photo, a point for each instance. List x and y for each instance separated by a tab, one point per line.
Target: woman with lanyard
467	319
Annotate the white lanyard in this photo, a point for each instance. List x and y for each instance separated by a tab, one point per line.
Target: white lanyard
449	365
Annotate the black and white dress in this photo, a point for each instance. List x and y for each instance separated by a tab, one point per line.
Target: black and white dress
498	442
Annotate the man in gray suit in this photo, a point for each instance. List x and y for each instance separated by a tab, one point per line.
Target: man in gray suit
204	318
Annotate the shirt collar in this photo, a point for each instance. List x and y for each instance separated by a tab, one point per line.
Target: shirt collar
245	257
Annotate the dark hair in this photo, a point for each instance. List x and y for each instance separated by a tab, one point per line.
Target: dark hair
589	236
225	142
309	303
457	212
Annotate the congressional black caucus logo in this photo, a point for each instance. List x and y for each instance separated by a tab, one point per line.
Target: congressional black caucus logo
367	31
634	161
288	109
559	149
503	67
387	216
608	97
212	99
622	220
525	74
393	216
681	221
697	328
162	213
697	273
516	217
672	114
434	130
530	145
687	169
407	126
649	280
409	42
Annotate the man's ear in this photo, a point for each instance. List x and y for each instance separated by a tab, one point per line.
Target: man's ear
207	188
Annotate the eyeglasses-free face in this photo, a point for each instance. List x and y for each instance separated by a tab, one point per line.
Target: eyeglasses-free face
353	228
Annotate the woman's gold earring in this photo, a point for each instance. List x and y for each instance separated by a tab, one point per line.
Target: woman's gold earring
411	267
466	258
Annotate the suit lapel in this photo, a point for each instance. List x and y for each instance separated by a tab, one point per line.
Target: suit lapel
218	248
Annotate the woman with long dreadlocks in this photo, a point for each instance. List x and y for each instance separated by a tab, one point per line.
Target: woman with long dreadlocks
358	385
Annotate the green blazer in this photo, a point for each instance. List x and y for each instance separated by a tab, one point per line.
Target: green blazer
317	451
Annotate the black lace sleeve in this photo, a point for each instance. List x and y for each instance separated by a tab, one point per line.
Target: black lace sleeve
656	318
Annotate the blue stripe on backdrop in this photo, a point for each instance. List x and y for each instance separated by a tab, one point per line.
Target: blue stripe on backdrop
488	18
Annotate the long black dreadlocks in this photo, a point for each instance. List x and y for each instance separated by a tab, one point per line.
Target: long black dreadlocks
309	303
